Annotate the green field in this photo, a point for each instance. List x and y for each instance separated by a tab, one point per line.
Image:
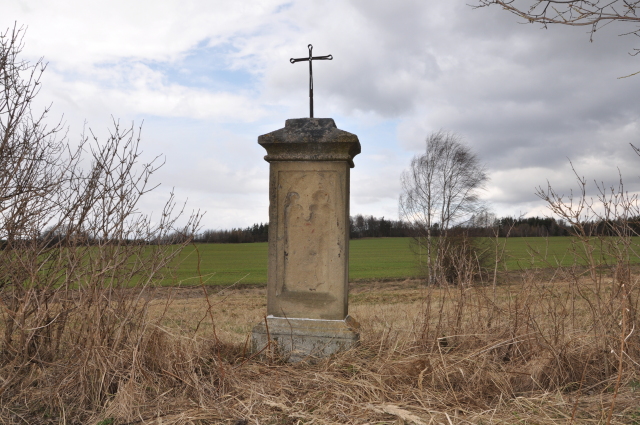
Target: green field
525	253
370	259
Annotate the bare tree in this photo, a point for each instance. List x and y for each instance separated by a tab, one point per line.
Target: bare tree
441	189
593	14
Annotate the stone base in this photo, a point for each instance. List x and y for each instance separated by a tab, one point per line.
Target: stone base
305	339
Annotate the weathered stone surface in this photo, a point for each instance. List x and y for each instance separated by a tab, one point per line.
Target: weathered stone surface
310	139
305	339
308	240
309	232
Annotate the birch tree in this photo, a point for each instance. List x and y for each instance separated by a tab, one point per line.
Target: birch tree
440	189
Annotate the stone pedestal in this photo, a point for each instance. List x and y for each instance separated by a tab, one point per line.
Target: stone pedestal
307	290
300	339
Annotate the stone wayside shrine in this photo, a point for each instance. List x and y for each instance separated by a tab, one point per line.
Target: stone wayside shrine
308	273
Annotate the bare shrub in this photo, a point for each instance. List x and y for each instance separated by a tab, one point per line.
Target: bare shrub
602	274
460	258
73	299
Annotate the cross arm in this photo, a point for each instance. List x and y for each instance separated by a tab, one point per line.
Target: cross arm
327	58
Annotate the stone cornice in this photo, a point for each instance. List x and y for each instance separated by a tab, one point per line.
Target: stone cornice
310	139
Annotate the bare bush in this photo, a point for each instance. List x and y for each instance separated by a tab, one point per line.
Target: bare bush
606	259
75	294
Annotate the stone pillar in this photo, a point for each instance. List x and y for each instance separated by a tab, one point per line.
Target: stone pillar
308	274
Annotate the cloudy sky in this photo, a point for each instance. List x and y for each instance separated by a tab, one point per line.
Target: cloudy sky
208	77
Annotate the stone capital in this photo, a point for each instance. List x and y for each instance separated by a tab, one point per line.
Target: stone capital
310	139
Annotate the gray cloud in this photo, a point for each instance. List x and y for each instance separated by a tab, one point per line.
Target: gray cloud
524	98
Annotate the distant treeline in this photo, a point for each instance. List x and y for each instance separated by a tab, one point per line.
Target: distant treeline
487	225
367	226
363	226
484	225
259	232
477	226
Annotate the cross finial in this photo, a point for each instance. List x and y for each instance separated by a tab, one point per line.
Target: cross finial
311	58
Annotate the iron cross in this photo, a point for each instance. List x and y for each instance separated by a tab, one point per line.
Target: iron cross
311	58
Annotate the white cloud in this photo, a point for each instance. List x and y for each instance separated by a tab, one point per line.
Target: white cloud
76	33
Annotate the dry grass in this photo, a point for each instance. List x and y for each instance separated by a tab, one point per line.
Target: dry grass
530	357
